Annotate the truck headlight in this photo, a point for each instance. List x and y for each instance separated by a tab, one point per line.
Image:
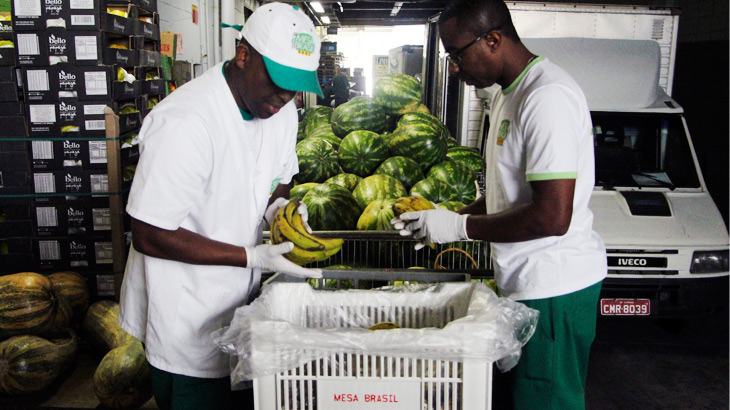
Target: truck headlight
709	262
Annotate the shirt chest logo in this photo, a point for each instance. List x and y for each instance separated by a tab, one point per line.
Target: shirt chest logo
503	132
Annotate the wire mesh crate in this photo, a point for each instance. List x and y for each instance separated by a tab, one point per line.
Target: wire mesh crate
343	380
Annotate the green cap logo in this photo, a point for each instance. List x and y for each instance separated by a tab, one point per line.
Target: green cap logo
303	43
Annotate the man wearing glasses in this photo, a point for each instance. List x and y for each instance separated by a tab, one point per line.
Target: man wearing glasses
540	175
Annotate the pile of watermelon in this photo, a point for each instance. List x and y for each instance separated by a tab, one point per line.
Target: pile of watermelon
356	158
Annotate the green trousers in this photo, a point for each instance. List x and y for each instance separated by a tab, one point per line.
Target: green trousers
178	392
551	373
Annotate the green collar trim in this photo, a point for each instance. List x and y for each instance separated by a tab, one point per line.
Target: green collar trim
517	80
247	116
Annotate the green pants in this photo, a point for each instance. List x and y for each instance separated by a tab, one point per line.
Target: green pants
551	374
178	392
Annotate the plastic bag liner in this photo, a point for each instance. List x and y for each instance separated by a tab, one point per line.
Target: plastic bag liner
291	324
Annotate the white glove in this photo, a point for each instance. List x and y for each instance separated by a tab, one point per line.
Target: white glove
270	257
302	210
433	226
279	203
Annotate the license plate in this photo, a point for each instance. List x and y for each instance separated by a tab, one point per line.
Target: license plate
625	307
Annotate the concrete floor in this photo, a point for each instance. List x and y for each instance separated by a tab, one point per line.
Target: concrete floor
636	363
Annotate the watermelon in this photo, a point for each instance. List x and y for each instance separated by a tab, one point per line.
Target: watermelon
317	160
451	205
435	190
406	170
418	140
391	121
378	187
300	190
397	93
361	152
316	116
301	134
360	113
348	181
458	176
468	156
331	208
324	131
451	142
377	216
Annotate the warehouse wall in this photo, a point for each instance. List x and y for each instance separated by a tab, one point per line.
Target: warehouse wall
701	86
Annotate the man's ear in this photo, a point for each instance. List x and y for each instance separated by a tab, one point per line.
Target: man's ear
494	39
243	54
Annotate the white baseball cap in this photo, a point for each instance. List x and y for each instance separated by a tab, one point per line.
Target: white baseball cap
290	45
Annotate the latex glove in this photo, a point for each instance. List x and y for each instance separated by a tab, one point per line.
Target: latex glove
273	208
433	226
302	210
271	257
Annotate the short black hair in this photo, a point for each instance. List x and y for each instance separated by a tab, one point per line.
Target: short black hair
479	16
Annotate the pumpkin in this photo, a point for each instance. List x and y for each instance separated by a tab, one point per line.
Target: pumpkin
67	344
27	364
122	379
72	287
102	328
61	321
27	304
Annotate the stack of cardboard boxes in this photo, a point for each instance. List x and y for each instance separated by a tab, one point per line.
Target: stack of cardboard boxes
72	59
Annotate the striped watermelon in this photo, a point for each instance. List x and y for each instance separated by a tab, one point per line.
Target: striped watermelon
300	190
468	156
458	176
406	170
325	132
360	113
435	190
378	187
315	116
317	160
418	140
301	134
397	93
451	142
451	205
331	208
27	304
377	216
361	152
348	181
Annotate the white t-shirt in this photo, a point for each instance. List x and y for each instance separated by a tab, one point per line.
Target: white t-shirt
540	129
206	169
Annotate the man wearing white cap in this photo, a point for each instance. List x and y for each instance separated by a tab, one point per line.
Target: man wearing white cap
217	158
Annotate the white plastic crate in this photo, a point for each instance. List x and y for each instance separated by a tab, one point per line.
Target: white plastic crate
403	382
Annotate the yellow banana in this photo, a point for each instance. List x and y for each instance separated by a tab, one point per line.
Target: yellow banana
300	240
276	236
298	224
302	257
410	204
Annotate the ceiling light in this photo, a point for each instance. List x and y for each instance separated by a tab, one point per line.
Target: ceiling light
396	8
325	19
317	7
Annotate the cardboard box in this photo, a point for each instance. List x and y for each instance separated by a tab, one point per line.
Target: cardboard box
8	92
8	74
58	155
73	253
91	15
19	257
72	218
147	5
48	119
149	58
7	57
42	48
34	14
16	228
48	84
14	170
95	49
12	108
13	127
149	30
153	87
168	44
71	181
92	122
182	72
14	146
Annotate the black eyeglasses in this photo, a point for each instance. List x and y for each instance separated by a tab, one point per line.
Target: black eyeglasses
454	57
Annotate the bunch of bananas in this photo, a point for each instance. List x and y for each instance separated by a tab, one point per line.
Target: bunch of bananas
410	204
289	226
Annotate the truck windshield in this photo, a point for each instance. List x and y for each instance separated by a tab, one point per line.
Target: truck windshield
642	150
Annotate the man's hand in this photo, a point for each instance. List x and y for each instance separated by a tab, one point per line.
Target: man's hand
433	226
271	257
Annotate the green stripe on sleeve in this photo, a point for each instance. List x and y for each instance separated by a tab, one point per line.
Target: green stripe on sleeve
552	175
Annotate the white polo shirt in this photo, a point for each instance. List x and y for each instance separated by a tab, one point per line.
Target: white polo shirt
540	129
206	169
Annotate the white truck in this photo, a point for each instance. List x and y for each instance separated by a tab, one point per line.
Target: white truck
667	244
